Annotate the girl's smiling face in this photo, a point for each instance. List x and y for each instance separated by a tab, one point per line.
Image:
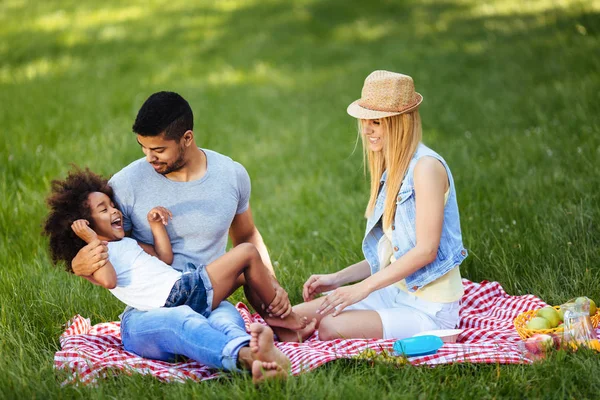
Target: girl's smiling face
107	220
372	129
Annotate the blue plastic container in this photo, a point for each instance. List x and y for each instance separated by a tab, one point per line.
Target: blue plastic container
418	346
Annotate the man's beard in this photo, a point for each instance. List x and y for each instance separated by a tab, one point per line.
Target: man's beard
167	168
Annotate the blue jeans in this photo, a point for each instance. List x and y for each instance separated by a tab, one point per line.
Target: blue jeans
193	289
164	333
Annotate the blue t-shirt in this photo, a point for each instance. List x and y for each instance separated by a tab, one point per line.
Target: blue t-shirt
202	209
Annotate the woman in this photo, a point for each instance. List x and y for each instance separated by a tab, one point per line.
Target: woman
409	281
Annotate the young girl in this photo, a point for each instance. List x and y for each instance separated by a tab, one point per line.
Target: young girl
82	210
409	281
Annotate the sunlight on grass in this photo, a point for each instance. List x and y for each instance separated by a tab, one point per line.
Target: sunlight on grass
363	29
40	68
261	72
507	7
83	19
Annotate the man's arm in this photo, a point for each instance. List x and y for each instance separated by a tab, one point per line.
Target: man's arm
243	230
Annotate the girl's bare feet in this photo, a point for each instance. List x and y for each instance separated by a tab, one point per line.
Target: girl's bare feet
293	321
262	370
263	348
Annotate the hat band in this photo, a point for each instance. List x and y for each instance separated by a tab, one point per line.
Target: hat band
383	109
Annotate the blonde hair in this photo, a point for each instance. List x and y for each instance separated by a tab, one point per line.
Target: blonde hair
402	134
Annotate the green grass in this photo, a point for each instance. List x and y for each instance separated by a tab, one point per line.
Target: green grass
512	101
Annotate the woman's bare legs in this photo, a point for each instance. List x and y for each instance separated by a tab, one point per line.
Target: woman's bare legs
245	260
348	324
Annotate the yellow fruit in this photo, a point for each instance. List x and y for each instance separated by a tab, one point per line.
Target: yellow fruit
593	308
583	300
538	323
550	314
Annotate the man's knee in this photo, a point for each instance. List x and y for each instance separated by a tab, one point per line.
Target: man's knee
328	329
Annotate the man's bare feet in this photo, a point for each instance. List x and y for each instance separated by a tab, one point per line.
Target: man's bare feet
293	321
299	336
262	370
263	347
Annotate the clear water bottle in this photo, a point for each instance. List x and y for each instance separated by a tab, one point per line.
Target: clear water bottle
578	329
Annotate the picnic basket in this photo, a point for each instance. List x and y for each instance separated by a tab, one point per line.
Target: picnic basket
522	319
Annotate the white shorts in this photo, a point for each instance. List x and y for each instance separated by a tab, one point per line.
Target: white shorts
404	315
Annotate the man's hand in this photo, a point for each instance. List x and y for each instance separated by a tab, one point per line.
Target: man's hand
317	284
81	227
91	257
280	306
159	215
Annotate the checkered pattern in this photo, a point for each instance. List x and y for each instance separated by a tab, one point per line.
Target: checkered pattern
486	315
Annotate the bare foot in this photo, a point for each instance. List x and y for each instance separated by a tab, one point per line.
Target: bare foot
300	335
263	348
293	321
262	370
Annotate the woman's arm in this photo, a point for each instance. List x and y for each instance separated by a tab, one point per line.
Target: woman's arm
158	218
354	273
322	283
431	181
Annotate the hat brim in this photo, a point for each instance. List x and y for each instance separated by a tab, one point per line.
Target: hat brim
357	111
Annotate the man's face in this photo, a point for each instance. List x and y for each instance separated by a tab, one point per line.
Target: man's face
165	155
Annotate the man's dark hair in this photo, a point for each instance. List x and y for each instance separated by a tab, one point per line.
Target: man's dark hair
165	112
68	202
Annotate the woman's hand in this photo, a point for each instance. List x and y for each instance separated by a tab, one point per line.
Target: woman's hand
159	215
342	298
317	284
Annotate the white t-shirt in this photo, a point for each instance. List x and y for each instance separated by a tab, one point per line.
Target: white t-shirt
143	281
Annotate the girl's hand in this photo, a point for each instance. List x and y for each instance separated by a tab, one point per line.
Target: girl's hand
82	229
318	284
159	215
342	298
280	306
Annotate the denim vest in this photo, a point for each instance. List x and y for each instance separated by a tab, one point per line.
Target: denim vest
450	251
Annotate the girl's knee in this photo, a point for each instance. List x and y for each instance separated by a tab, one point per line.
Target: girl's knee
248	249
328	329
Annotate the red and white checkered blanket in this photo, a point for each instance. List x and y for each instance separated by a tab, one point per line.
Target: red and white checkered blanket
486	315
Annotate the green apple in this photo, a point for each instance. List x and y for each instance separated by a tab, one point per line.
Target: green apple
550	314
583	300
538	323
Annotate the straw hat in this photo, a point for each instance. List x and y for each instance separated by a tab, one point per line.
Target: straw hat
385	94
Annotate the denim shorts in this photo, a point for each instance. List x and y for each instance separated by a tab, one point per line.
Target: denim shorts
193	289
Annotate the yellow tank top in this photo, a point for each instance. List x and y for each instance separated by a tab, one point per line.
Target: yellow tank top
446	289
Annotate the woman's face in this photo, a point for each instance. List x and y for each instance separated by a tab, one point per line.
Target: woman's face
373	131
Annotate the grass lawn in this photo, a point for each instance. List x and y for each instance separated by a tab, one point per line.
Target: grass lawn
512	101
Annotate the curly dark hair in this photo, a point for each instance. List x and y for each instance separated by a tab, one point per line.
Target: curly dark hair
166	112
68	202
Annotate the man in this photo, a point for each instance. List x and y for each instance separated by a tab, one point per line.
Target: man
208	194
